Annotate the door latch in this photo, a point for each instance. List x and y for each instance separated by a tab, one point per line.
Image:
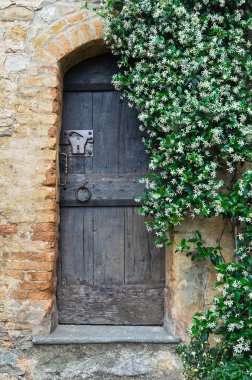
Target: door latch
81	142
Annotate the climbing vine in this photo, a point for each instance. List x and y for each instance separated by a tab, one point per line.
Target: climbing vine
186	66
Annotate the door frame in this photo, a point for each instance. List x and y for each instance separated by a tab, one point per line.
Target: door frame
136	282
84	41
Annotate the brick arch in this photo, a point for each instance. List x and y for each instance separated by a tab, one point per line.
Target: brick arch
55	50
76	36
64	44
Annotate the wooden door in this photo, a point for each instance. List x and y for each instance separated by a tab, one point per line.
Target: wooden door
109	270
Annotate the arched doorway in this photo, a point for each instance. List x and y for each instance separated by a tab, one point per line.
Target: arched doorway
109	271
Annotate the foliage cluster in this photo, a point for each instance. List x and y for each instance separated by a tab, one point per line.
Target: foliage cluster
227	321
186	66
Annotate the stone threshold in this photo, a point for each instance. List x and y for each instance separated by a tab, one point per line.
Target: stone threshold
84	334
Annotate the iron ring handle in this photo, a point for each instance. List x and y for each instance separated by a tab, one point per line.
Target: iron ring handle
80	199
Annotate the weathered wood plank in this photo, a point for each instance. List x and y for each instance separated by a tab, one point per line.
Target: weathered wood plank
106	115
144	262
70	246
88	246
76	246
121	305
108	246
77	112
135	158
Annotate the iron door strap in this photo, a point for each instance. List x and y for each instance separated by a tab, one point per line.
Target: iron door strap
65	170
87	193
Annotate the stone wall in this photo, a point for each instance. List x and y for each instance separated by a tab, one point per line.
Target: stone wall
40	40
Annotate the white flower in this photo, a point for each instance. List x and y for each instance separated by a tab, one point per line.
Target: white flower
220	276
231	268
231	327
236	284
211	325
228	303
241	346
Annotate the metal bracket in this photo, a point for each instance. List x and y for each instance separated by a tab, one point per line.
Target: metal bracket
65	169
81	141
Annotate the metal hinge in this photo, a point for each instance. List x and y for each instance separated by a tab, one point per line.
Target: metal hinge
81	141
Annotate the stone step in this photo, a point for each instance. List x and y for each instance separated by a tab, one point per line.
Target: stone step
111	361
84	334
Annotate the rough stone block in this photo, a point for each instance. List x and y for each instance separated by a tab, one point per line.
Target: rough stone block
16	62
7	132
16	33
48	14
14	13
5	122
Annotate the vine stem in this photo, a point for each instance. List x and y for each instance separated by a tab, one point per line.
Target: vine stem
236	221
235	235
223	230
221	235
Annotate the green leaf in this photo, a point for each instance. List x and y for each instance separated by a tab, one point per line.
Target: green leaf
179	90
